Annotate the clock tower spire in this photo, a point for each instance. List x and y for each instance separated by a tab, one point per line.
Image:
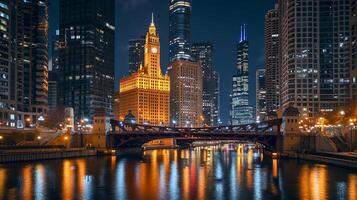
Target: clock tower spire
152	51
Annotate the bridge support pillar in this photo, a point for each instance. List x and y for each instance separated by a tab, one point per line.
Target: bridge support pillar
289	143
129	151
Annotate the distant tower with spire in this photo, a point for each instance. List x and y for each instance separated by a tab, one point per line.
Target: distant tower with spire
241	110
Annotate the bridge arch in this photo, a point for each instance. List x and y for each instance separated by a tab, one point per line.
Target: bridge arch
135	136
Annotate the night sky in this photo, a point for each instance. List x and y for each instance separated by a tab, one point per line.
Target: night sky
216	21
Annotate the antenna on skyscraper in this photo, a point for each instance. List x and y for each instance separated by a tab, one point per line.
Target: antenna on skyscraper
241	34
244	36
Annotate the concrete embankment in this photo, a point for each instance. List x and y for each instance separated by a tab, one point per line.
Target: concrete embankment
341	160
20	155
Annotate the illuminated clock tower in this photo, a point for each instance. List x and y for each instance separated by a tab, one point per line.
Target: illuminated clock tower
146	93
152	51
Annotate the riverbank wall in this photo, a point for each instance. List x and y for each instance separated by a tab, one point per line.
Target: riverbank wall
325	158
11	156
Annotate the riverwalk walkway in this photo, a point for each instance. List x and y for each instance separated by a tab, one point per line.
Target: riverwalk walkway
21	155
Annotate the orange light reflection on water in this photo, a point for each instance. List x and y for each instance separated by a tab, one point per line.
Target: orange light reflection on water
352	187
67	182
27	183
313	182
2	182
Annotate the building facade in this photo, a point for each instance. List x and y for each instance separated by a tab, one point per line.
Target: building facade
241	110
203	54
9	97
186	93
353	51
24	62
272	60
54	73
314	55
179	30
261	95
146	93
136	54
87	34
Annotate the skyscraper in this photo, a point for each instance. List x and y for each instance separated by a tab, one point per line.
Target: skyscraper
179	30
54	73
36	51
203	54
146	93
186	93
353	50
334	54
87	57
136	54
11	98
241	111
272	60
314	55
24	61
261	95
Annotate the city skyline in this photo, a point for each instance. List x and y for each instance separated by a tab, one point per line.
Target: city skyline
220	26
188	99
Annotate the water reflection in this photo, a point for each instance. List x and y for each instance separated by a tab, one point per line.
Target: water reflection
2	182
219	172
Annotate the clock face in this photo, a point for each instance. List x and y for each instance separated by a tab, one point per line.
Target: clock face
154	50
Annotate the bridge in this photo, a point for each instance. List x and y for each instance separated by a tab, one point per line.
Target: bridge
128	135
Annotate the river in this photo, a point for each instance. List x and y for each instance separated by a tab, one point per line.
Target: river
217	172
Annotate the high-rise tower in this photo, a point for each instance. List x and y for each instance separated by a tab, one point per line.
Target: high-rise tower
54	73
179	30
24	61
203	54
136	54
272	61
315	76
87	57
261	98
241	111
146	93
186	93
353	50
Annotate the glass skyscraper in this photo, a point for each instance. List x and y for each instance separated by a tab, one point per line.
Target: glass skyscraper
203	53
87	56
241	111
179	30
136	54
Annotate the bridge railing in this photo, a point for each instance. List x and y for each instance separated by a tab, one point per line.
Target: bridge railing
266	127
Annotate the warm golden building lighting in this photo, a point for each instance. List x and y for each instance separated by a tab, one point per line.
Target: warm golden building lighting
147	92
